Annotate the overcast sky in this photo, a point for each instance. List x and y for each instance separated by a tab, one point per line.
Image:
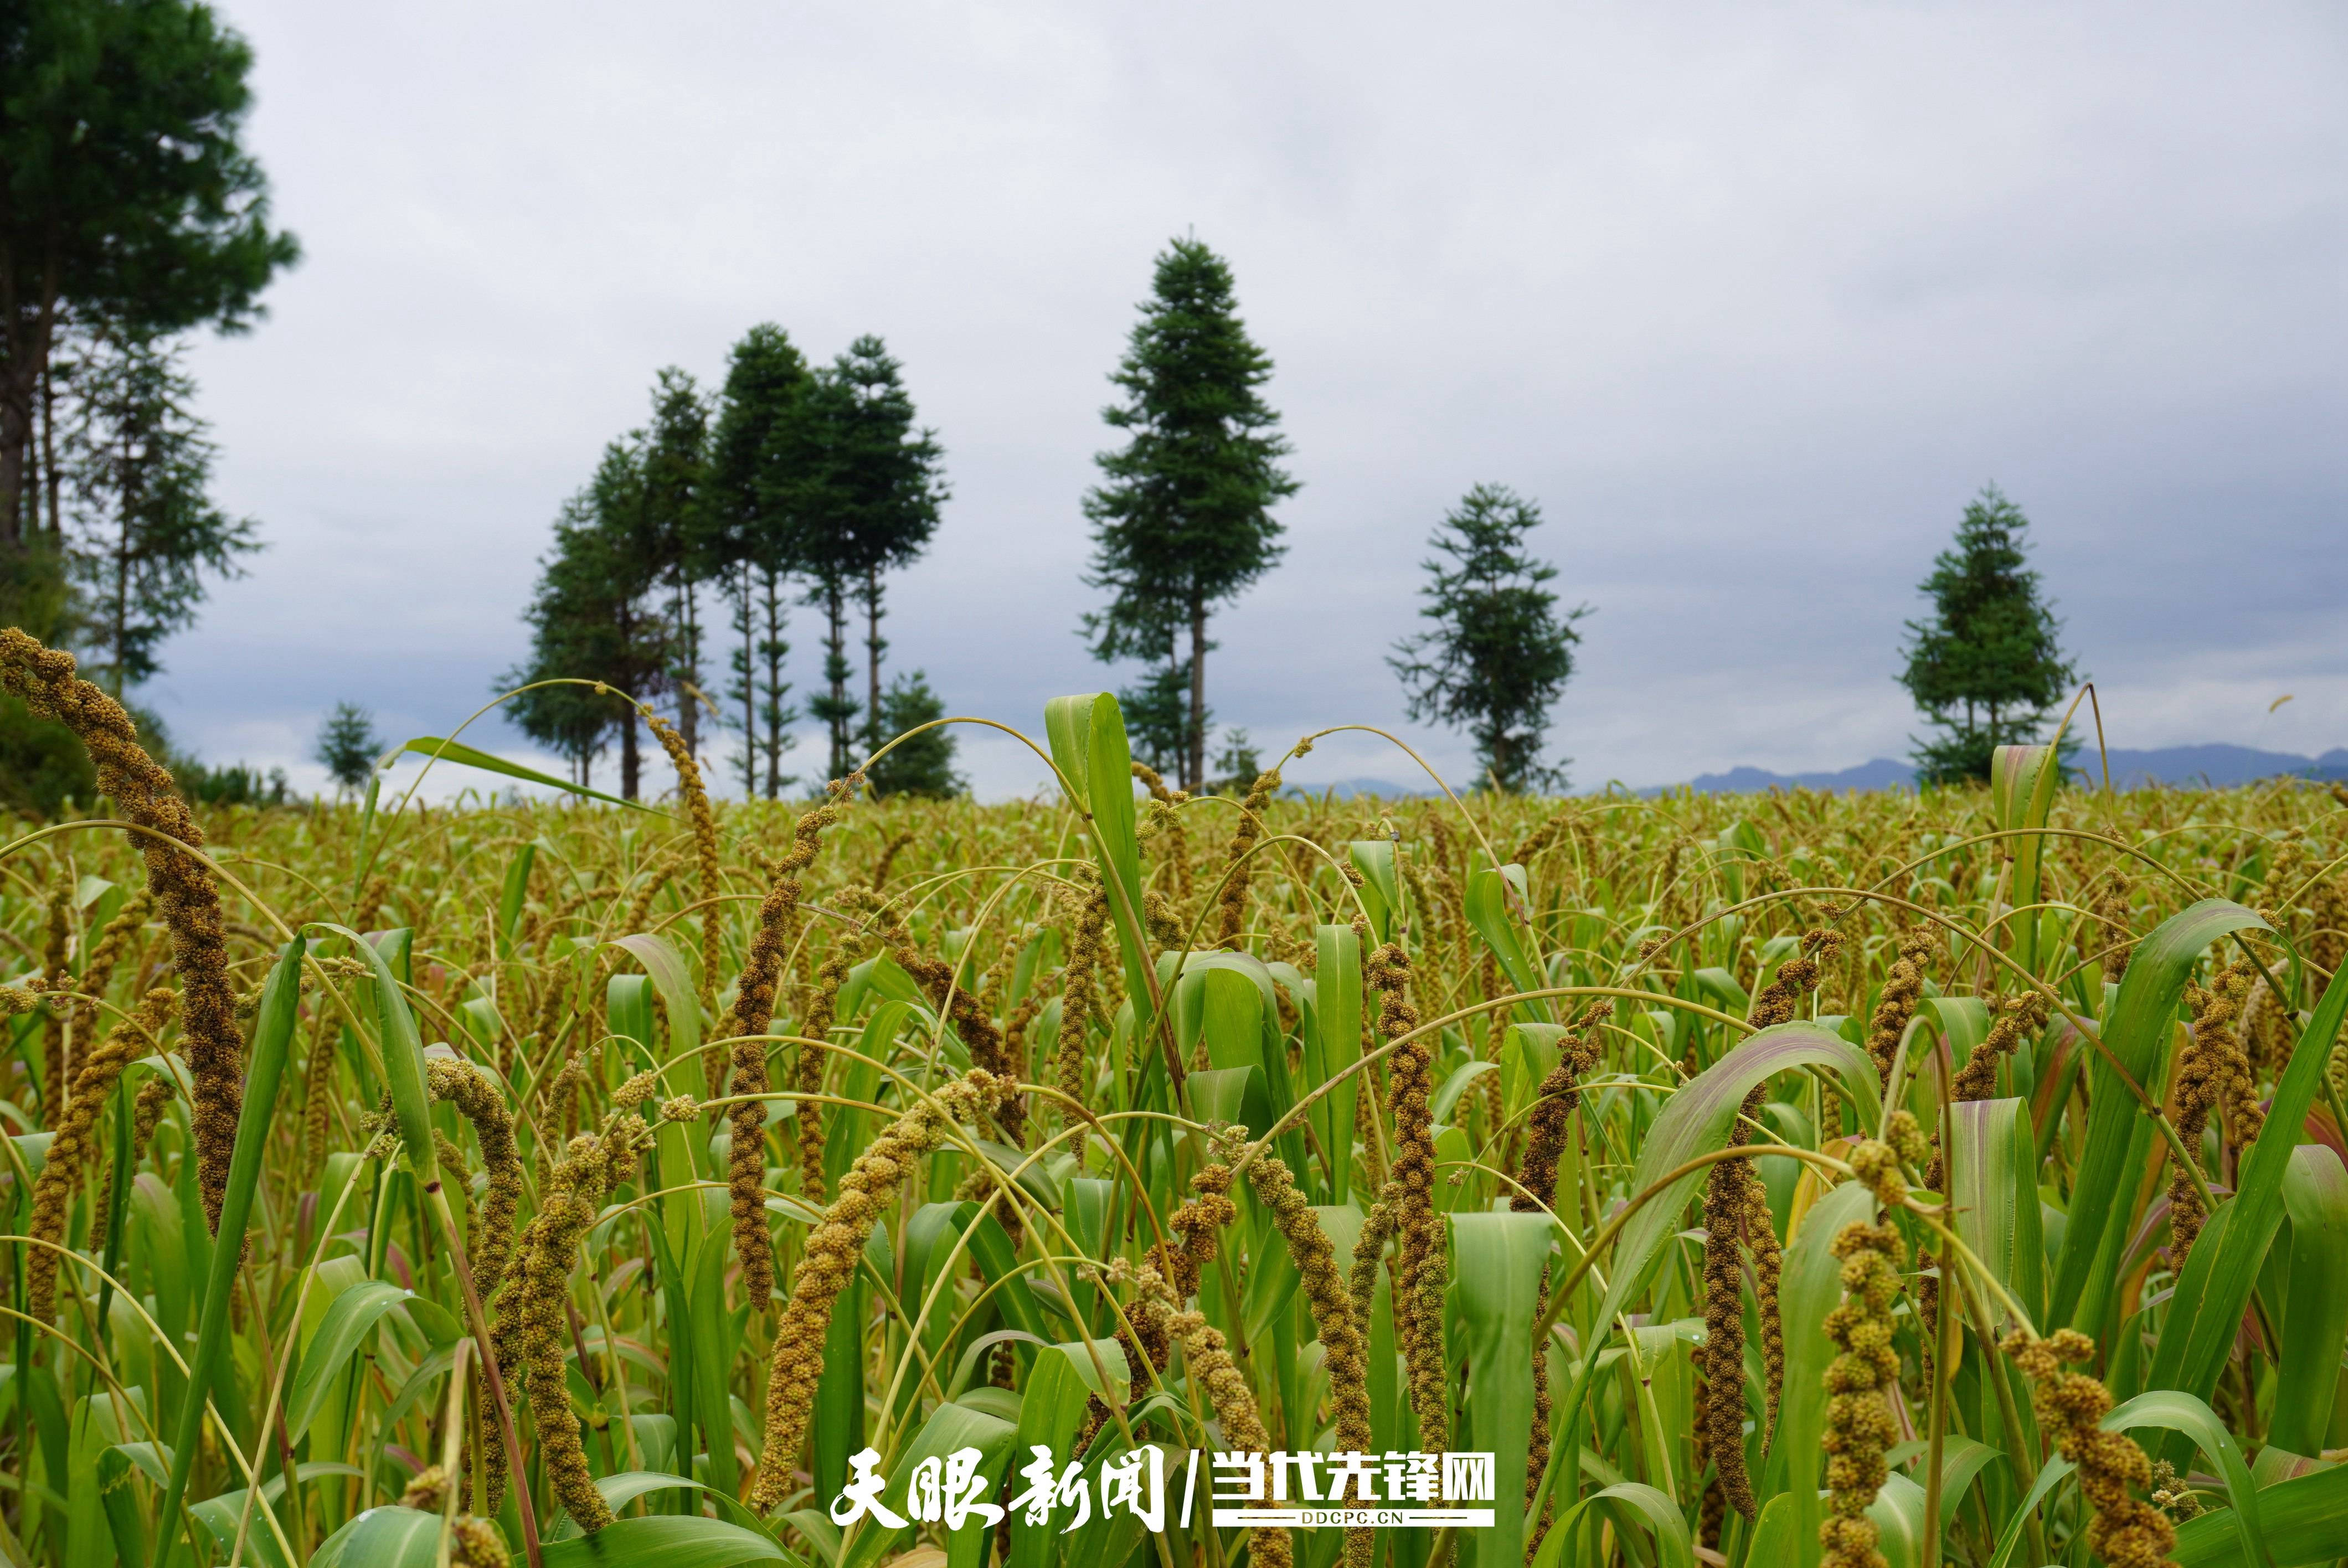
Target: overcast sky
1750	299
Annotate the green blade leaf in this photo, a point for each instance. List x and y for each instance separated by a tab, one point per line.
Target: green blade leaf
1697	1120
272	1029
1809	1287
392	1537
2181	1412
2119	1139
2215	1289
664	1540
348	1321
1497	1260
2315	1313
2300	1517
468	756
1993	1183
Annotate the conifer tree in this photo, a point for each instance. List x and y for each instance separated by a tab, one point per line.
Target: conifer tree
891	486
596	616
348	745
146	530
758	454
1500	651
1985	667
1182	524
675	469
922	765
132	204
867	491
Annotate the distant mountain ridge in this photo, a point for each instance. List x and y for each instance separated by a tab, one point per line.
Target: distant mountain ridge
2215	765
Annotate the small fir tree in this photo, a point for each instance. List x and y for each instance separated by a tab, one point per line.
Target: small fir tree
1183	523
1500	651
1985	667
348	745
922	765
1237	764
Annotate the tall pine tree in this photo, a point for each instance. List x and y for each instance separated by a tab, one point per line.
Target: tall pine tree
1182	524
597	615
890	484
1500	651
1986	667
675	458
132	204
758	453
868	490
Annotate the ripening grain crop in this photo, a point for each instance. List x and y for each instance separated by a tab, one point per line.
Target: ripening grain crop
1787	1179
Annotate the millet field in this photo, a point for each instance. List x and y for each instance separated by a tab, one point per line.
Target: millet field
1940	1177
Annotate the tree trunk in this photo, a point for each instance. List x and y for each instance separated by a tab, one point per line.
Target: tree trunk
631	760
749	690
23	364
835	669
122	572
774	689
872	646
1195	754
688	701
16	443
49	453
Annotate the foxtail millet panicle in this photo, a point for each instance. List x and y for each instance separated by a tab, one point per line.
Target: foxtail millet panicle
57	1024
1344	1352
1723	1350
70	1150
1859	1426
2213	1075
866	1192
711	886
2071	1406
318	1089
1167	803
1551	1123
1896	1004
942	983
1238	866
1418	1227
1208	1358
477	1098
752	1016
146	1114
184	889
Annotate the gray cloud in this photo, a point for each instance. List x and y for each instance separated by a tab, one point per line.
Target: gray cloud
1751	299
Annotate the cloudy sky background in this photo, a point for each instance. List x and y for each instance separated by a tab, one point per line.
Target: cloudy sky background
1750	299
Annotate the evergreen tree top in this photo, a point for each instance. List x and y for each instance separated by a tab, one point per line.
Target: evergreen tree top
1986	666
129	191
1500	651
1183	520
